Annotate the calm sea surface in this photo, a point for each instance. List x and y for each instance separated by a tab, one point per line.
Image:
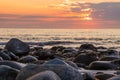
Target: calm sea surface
66	37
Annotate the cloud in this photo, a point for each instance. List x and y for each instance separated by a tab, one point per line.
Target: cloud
105	15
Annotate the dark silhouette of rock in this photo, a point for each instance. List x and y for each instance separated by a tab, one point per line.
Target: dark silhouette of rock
45	75
8	73
63	71
13	64
18	47
1	59
10	54
115	78
108	58
104	76
43	55
56	61
102	65
57	48
27	59
85	59
4	56
87	47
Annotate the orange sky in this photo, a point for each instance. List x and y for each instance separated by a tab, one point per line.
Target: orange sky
37	6
52	11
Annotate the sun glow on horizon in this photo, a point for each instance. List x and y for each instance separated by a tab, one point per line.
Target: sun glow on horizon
88	18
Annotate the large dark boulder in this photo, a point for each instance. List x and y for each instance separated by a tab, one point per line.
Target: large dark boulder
45	75
8	73
18	47
87	47
85	59
27	59
102	65
108	58
63	71
13	64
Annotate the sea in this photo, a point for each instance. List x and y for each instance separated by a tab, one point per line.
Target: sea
109	38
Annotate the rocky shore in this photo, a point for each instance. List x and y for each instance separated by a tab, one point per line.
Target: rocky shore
20	61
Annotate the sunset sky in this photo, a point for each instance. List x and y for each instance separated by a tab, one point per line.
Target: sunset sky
60	13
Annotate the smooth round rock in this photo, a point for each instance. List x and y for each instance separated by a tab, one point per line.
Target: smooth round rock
8	73
18	47
115	78
57	48
104	76
56	61
13	64
43	55
72	64
1	59
27	59
45	75
102	65
63	71
108	58
4	56
85	59
87	47
11	55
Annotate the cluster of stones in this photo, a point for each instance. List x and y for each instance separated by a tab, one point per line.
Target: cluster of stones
19	61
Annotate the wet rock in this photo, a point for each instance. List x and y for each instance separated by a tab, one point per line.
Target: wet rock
88	76
1	59
13	64
116	62
8	73
108	58
27	59
87	47
18	47
4	56
102	65
56	61
85	58
115	78
57	48
11	55
69	50
45	75
43	55
38	48
108	52
63	71
103	76
72	64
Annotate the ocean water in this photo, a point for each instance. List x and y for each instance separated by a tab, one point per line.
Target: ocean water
64	37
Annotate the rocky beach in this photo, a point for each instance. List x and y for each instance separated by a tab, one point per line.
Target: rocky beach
21	61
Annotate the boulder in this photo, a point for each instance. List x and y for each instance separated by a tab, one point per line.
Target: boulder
13	64
102	65
63	71
27	59
115	78
108	58
8	73
87	47
18	47
45	75
104	76
85	59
